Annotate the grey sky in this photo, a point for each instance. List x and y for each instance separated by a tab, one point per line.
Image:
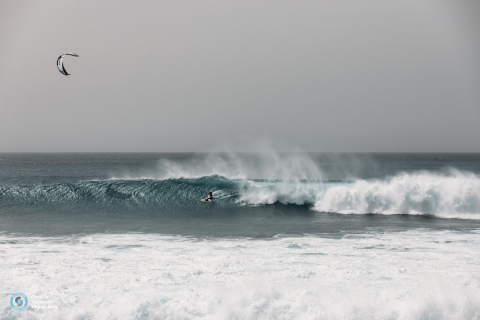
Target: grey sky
190	75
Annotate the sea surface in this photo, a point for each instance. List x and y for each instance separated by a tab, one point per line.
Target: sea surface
288	235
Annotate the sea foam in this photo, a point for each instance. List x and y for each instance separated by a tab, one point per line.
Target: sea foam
453	194
417	274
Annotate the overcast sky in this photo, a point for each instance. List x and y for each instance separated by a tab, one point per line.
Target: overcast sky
352	76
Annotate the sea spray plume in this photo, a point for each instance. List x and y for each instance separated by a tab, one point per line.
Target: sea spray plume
455	194
259	163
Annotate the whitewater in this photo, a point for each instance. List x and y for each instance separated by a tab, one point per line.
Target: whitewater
289	236
417	274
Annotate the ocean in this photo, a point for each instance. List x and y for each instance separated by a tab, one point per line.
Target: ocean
288	236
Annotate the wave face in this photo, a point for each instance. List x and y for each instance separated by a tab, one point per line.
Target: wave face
450	195
134	192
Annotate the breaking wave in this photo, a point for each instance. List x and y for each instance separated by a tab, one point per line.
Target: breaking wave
450	195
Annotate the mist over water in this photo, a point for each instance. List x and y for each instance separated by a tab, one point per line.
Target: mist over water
265	164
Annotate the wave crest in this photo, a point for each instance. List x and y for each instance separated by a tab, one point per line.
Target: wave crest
451	195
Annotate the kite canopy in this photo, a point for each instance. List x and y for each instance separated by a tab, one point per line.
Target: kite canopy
60	66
